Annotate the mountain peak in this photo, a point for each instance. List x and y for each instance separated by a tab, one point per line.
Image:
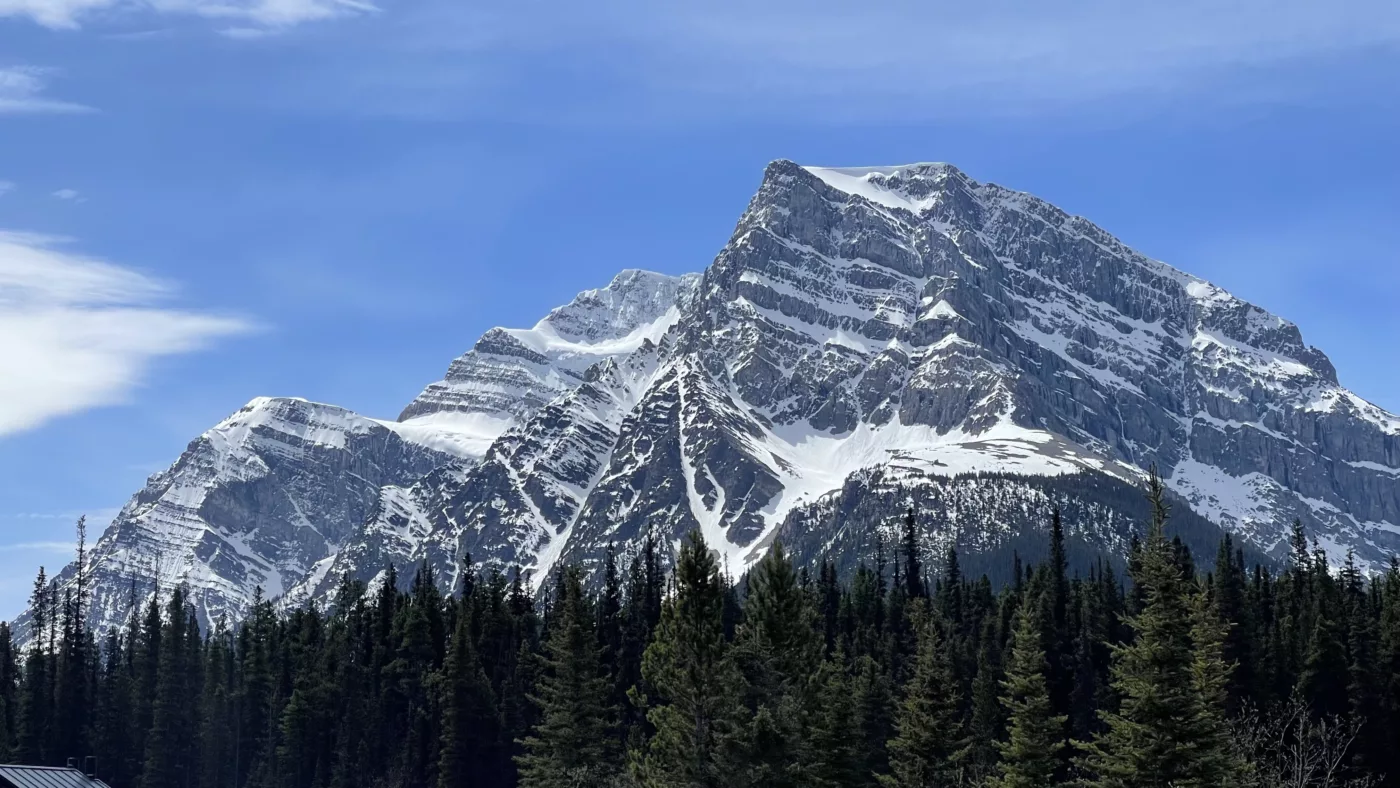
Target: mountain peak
512	372
866	334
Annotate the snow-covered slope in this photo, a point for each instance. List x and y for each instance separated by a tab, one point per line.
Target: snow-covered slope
274	495
911	321
254	502
865	336
510	373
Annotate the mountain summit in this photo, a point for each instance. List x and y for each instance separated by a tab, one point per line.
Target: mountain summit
868	338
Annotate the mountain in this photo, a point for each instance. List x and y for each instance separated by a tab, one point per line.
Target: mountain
868	338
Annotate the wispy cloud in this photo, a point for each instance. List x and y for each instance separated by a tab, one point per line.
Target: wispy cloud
22	90
77	332
263	15
95	517
6	187
39	547
70	195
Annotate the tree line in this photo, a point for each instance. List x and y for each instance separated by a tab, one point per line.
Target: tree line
663	673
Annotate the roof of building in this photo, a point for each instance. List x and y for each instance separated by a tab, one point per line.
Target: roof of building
46	777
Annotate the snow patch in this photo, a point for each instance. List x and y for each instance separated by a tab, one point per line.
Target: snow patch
868	182
463	435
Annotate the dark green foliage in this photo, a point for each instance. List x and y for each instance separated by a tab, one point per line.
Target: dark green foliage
1031	755
574	742
1167	731
834	749
694	707
470	719
778	650
928	730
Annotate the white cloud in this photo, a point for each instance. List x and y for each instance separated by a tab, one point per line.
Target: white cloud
39	547
77	333
67	194
262	15
6	187
22	90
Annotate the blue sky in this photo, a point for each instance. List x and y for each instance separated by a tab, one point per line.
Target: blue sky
202	201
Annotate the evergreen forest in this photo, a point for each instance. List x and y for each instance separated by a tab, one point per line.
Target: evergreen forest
659	670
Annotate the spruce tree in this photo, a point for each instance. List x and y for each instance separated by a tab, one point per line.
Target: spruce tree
9	689
254	717
1030	757
987	720
168	745
1214	761
216	731
574	742
834	751
695	707
74	661
36	702
1323	681
1163	734
779	651
872	723
470	721
640	615
1055	623
913	566
928	729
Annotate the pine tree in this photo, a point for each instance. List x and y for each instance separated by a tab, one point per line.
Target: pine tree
695	707
1162	736
470	722
913	567
872	723
9	690
1030	758
1323	681
834	751
987	721
779	651
216	732
168	763
574	742
35	699
1057	633
74	662
1214	762
928	730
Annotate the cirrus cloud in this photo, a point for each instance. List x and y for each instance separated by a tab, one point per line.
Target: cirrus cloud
22	90
264	15
77	332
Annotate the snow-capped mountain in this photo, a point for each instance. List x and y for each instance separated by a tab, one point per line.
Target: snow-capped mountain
867	337
254	502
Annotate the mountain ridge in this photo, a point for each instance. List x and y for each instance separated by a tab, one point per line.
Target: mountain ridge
904	319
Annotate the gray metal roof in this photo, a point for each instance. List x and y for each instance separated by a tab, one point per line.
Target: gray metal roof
45	777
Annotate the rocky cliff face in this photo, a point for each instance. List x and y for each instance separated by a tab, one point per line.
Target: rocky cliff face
853	300
865	337
253	503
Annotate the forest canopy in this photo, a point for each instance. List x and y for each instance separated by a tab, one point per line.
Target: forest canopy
661	671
